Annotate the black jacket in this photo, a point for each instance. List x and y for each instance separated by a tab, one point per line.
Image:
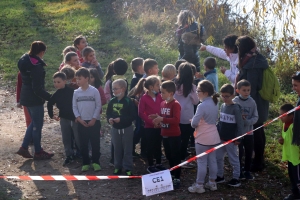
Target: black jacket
135	79
33	81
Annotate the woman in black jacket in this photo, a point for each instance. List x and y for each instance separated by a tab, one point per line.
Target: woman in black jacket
33	96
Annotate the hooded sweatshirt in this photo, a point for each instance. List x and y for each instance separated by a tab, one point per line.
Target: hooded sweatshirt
187	104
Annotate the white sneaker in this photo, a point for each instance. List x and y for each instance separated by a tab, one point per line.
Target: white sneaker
211	186
196	188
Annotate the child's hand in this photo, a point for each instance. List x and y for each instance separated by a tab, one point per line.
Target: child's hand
111	121
198	75
94	62
236	142
56	118
157	126
82	122
117	120
153	116
157	120
281	140
19	105
223	69
202	48
92	122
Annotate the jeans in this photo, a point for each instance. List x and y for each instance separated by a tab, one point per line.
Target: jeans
34	130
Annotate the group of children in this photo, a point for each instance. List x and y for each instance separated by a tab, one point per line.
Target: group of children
180	108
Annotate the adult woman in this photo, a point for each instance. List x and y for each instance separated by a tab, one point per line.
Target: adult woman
251	66
33	96
190	35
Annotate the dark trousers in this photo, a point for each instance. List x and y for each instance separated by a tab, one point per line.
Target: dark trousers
153	143
91	134
294	174
259	147
139	135
246	148
172	151
186	131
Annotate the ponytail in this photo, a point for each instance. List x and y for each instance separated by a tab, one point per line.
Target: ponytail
215	98
139	88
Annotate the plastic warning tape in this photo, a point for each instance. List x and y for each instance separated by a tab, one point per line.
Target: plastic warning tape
66	178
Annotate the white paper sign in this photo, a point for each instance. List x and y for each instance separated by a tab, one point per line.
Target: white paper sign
156	183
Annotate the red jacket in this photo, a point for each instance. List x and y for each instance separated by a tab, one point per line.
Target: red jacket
80	56
171	114
148	106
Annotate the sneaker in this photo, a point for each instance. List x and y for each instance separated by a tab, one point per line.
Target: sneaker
234	183
42	155
152	169
188	165
176	183
292	197
128	173
220	179
117	172
160	167
211	186
85	168
196	188
68	160
96	167
24	153
242	176
248	176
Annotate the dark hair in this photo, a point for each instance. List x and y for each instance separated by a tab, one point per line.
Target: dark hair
94	72
145	82
245	44
210	62
77	40
178	62
229	42
185	77
36	48
68	49
120	66
69	71
227	88
243	83
109	71
287	107
136	62
87	50
60	75
148	64
296	76
207	86
69	56
84	72
169	86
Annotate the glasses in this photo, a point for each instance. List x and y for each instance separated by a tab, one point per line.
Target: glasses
115	89
198	91
225	97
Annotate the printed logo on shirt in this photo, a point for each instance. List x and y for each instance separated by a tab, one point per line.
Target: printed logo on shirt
85	98
227	118
164	125
117	108
246	111
165	111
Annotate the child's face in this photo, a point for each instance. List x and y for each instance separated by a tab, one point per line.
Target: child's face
140	70
228	50
82	44
74	62
201	95
154	70
92	79
244	91
286	118
59	83
82	81
117	90
155	87
227	98
90	57
165	95
296	86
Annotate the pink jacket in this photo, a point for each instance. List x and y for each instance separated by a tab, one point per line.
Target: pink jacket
148	106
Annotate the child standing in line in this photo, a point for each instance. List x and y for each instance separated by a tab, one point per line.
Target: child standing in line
230	125
211	72
96	82
65	51
206	136
169	121
150	104
250	117
187	97
72	59
86	108
63	100
290	152
90	60
80	43
70	74
150	67
138	70
18	96
168	72
120	114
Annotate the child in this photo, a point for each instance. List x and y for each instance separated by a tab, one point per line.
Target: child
170	130
187	97
168	72
206	136
80	43
290	152
90	60
18	95
230	126
150	67
108	75
86	108
211	73
63	100
96	82
120	114
250	116
150	104
138	70
70	74
65	51
72	59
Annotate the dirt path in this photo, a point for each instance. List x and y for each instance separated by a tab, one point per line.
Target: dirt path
12	129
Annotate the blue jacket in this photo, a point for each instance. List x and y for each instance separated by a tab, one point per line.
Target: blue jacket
212	76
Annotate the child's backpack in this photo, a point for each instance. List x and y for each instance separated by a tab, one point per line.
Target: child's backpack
270	90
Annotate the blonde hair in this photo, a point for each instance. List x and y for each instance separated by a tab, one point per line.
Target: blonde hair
185	17
120	82
169	71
